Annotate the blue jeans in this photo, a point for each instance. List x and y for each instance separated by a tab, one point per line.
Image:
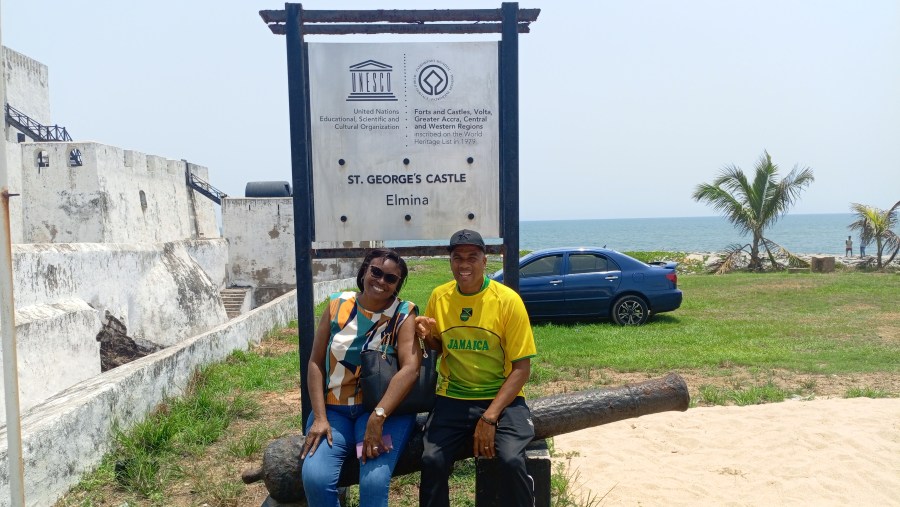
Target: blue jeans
348	426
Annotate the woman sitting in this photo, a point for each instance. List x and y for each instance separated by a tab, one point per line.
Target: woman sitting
372	319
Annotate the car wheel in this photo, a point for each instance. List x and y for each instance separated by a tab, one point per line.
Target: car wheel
630	311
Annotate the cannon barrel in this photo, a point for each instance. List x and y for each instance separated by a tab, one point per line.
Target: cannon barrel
552	415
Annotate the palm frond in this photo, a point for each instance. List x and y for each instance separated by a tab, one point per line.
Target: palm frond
893	255
894	209
732	257
768	245
891	240
792	259
722	196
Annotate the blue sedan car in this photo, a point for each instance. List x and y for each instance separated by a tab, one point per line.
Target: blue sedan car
595	282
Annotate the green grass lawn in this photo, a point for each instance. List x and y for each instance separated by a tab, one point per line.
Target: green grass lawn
837	323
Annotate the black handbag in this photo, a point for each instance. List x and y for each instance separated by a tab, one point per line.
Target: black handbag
377	368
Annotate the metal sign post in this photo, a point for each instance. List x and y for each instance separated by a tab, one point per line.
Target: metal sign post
301	170
406	141
8	327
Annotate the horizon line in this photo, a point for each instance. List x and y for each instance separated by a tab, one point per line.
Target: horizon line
654	218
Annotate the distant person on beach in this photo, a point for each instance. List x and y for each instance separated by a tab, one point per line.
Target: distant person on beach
848	247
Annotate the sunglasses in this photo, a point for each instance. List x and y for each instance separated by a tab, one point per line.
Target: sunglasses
378	274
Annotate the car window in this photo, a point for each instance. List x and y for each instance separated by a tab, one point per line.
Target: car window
545	266
588	263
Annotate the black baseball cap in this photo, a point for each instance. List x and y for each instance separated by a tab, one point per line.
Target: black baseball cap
466	237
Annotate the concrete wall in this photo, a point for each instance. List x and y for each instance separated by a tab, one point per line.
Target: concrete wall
67	436
116	196
45	335
260	234
28	90
27	87
162	293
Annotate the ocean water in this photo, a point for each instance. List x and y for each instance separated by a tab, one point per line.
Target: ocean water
809	234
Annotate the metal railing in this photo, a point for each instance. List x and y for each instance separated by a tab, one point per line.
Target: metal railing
205	188
33	129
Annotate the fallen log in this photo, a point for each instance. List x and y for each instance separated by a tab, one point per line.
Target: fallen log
552	415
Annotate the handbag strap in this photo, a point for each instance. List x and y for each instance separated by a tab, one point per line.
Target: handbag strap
392	336
392	325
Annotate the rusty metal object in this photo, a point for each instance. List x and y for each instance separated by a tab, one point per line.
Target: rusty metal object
552	415
565	413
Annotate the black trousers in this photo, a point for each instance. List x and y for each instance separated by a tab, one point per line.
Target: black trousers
452	424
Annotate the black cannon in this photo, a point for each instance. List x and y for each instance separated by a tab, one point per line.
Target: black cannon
552	415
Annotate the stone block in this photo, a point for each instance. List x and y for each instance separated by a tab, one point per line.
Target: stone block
822	264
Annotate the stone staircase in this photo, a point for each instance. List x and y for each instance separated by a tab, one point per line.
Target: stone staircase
233	300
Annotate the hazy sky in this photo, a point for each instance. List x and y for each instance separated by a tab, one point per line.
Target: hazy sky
625	106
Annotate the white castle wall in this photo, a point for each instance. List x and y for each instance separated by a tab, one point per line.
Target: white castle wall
28	90
260	234
27	87
115	196
163	293
46	333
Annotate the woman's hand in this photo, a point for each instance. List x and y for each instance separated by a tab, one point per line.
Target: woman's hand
315	379
320	428
373	443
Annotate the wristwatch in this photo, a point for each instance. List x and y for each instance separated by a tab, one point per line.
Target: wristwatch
379	412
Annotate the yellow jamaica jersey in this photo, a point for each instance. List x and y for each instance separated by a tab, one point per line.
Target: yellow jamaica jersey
482	335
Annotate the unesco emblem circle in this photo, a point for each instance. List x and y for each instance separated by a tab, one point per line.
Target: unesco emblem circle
434	80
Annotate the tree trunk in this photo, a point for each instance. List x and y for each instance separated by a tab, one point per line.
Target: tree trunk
880	250
755	262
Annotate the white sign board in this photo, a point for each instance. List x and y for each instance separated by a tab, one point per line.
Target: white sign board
405	140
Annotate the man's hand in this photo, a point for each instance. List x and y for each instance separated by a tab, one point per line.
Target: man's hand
424	326
425	329
483	440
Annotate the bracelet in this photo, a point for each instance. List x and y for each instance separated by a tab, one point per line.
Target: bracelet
488	421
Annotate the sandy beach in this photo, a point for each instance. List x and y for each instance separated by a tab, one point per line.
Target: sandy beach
818	452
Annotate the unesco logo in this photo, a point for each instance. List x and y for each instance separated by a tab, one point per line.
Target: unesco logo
371	81
434	81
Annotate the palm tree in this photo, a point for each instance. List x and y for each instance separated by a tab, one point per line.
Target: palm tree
876	225
753	206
